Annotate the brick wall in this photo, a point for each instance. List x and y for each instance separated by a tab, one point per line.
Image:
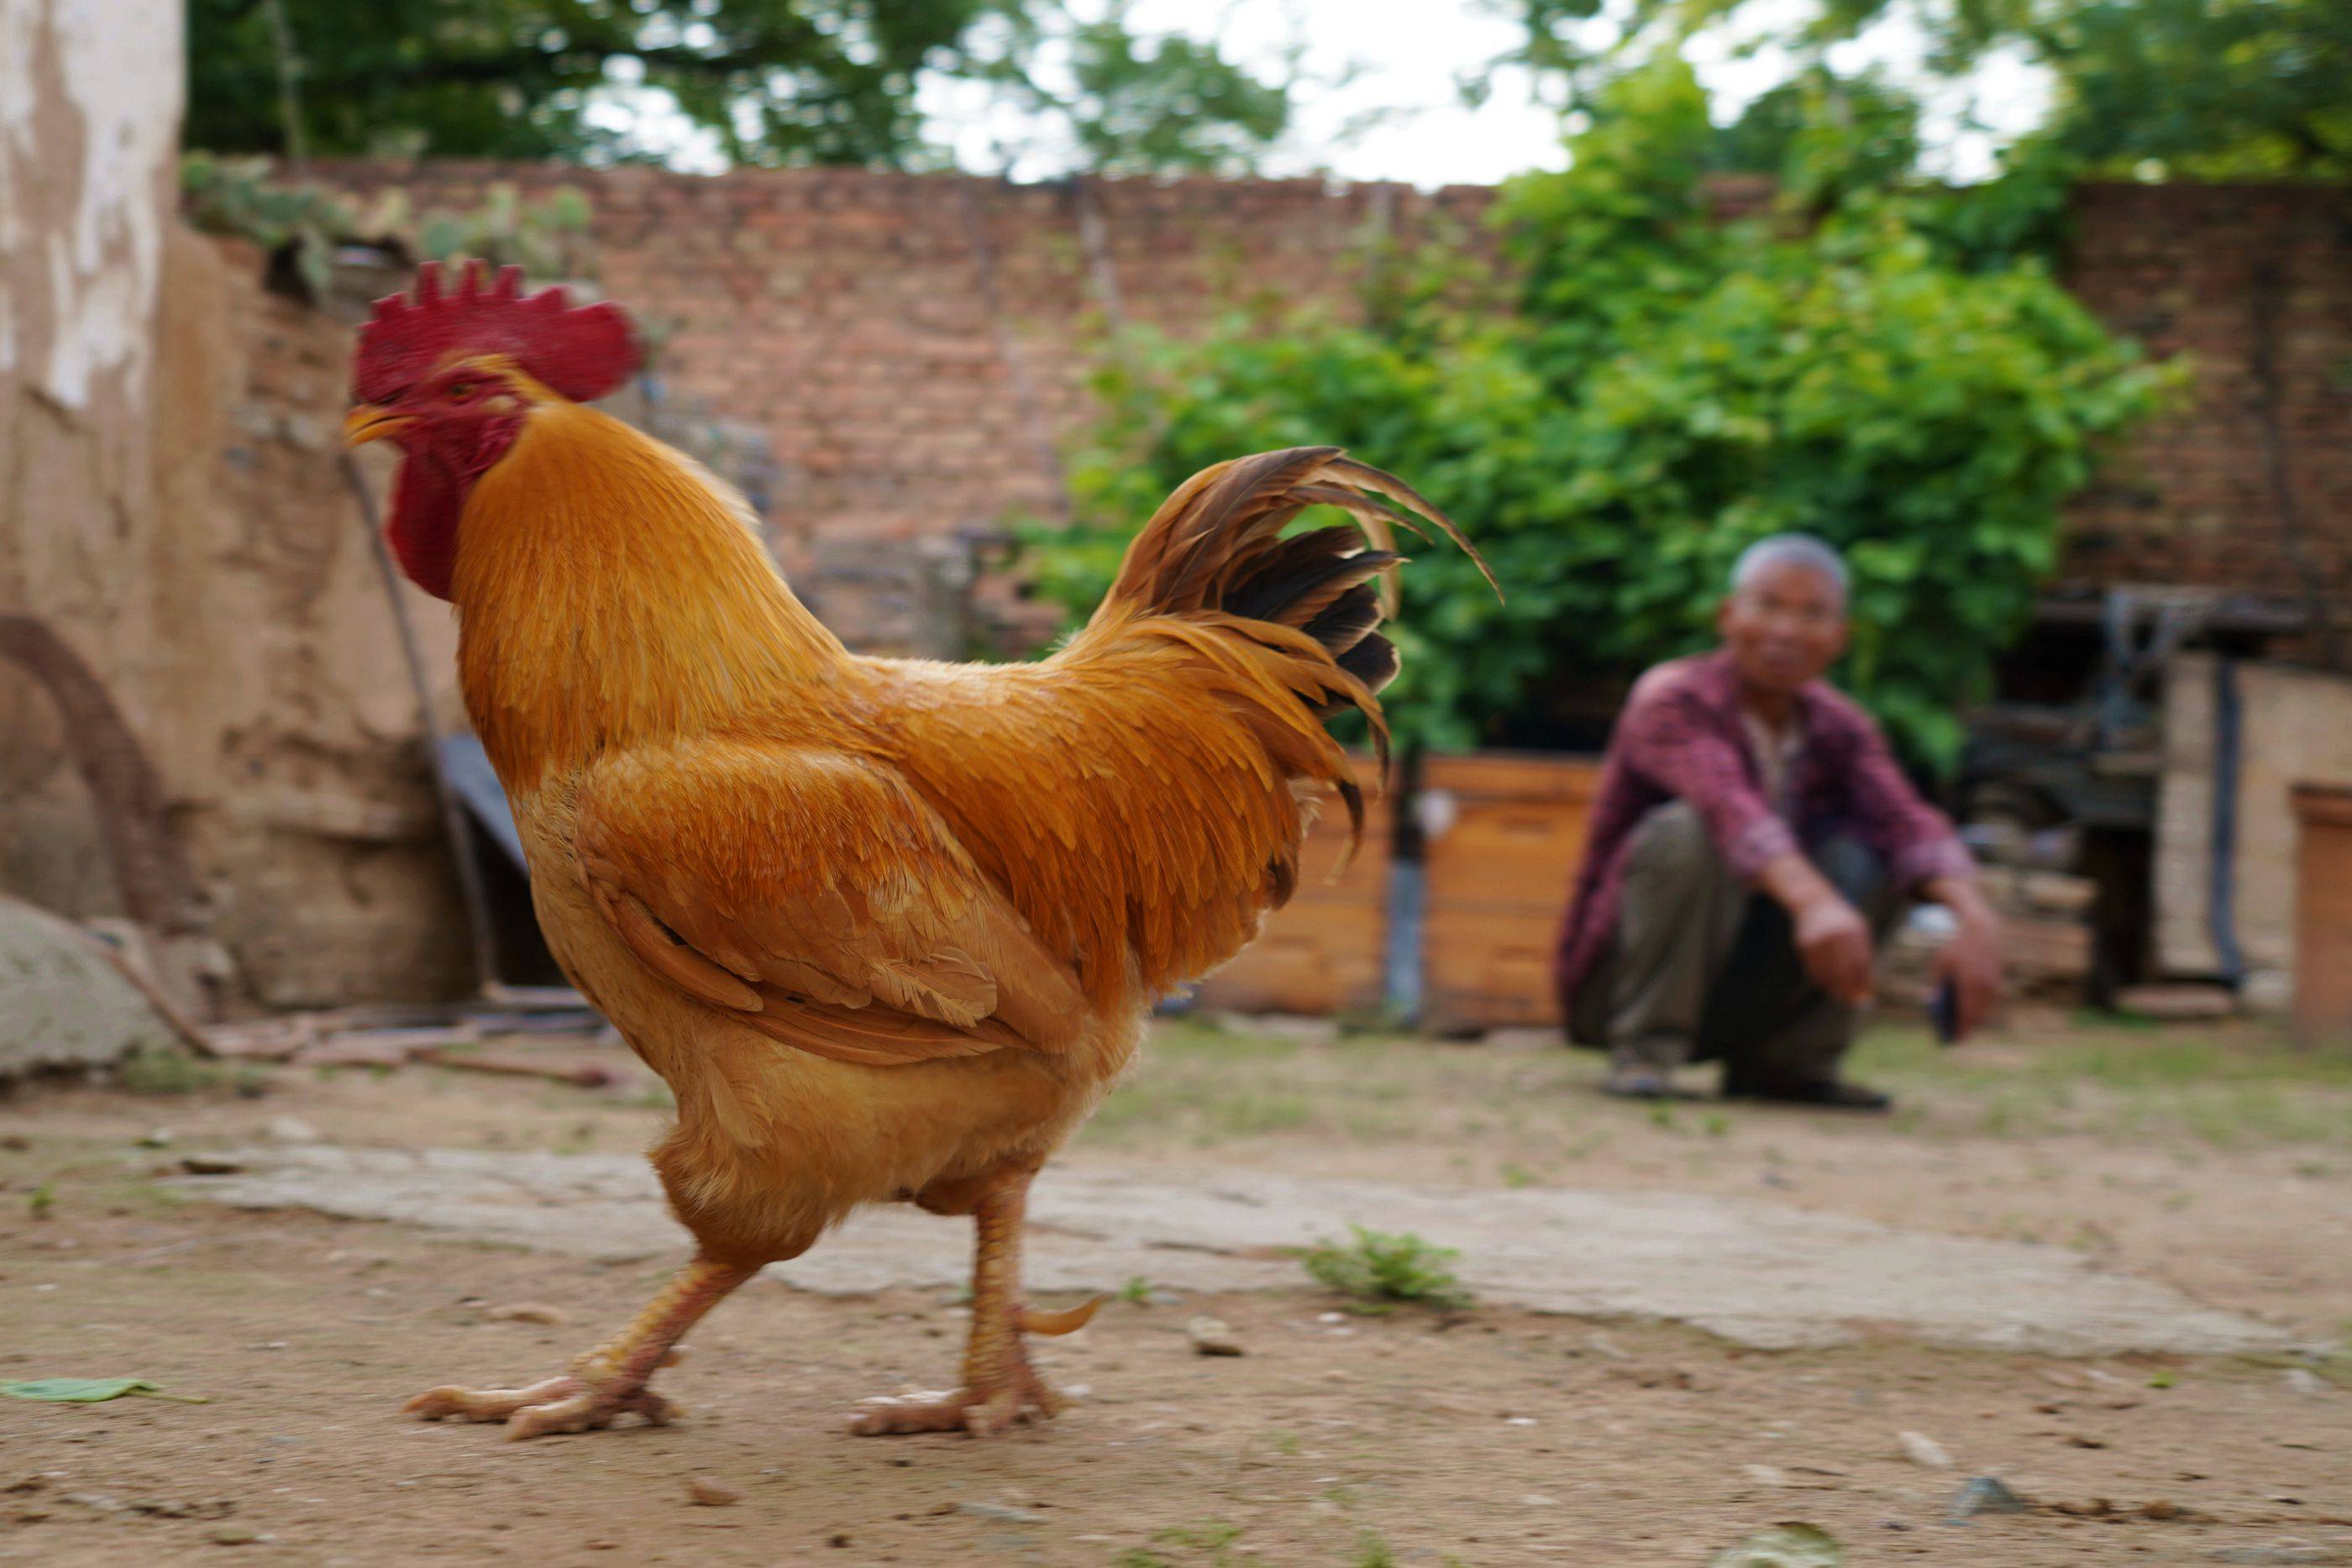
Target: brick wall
914	345
2249	488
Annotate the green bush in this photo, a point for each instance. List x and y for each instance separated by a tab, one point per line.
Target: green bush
1646	390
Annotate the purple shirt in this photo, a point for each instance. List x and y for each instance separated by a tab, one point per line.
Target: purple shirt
1681	737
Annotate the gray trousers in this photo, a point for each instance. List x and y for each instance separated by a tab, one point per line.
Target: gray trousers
1703	967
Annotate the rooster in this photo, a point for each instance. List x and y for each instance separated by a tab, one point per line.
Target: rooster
889	929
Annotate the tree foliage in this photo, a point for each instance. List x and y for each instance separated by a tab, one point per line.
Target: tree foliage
2184	88
773	81
1129	104
1650	390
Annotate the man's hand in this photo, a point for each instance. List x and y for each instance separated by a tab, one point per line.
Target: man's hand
1971	960
1833	940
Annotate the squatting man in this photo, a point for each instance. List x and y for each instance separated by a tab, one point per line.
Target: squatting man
1753	843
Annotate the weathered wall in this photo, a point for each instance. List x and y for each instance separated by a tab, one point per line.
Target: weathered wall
170	509
238	621
284	722
89	103
914	345
2249	488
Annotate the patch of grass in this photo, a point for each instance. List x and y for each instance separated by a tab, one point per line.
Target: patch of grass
1516	1175
1372	1551
1378	1272
1210	1543
1248	1113
180	1072
1137	1291
2232	1087
44	1199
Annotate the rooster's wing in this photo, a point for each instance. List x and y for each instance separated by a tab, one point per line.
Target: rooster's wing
816	897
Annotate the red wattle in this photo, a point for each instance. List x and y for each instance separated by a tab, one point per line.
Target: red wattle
422	529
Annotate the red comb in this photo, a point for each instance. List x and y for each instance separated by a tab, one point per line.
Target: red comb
581	351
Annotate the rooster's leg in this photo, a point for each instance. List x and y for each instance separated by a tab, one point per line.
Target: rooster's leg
1000	1386
607	1382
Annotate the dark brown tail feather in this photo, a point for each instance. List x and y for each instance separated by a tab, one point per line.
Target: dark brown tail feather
1216	545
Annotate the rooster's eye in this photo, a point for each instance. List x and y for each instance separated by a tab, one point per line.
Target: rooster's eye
460	391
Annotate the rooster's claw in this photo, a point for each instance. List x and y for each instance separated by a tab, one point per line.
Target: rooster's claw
558	1405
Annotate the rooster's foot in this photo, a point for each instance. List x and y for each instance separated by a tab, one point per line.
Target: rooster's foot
566	1404
983	1412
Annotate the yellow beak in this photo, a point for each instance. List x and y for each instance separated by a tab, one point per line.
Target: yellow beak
369	422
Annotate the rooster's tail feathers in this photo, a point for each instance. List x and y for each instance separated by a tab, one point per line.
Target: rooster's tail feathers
1295	619
1215	547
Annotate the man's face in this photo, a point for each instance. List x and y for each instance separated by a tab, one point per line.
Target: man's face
1786	628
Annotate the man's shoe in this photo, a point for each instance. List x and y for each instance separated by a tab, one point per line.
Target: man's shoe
1632	1080
1833	1094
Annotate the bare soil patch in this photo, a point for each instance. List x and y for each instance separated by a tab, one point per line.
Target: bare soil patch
2215	1164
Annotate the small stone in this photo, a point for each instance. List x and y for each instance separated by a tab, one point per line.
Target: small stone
1537	1499
290	1130
1986	1494
1767	1475
528	1312
1004	1513
1212	1336
1921	1450
2091	1508
2082	1440
210	1165
2302	1380
231	1535
156	1138
838	1538
711	1493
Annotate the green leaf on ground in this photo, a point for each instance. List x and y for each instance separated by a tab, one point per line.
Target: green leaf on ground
89	1390
1791	1545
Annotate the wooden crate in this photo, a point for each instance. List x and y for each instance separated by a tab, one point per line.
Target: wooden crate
1508	832
2323	916
1323	953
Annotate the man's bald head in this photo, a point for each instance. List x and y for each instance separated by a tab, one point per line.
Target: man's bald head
1801	550
1783	622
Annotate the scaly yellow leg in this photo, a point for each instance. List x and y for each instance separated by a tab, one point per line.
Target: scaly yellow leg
1000	1386
607	1382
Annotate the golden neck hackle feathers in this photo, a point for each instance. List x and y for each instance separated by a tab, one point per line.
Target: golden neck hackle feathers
611	593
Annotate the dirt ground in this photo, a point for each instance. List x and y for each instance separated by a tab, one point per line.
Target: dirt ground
2214	1163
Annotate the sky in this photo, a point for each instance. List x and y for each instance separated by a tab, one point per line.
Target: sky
1382	101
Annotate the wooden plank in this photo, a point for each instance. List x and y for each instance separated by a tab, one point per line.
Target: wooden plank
1489	969
1324	952
2295	727
1507	834
2323	986
2184	821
